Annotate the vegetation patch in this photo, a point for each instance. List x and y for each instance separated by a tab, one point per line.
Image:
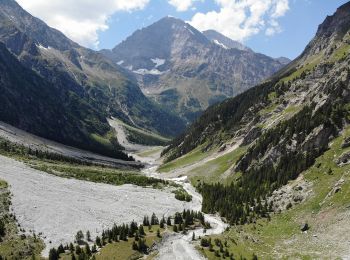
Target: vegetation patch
128	241
188	159
182	195
242	201
212	171
97	174
144	137
310	65
281	236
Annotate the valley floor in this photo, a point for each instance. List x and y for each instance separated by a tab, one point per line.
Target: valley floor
59	207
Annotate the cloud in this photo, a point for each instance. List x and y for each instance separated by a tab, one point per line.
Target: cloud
81	20
181	5
241	19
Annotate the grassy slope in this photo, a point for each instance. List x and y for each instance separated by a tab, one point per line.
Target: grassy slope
144	137
188	159
212	171
281	237
13	245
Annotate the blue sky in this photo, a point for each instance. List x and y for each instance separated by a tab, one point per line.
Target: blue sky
298	25
272	27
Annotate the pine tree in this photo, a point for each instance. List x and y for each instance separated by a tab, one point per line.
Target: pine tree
141	231
88	236
60	249
175	228
71	247
87	250
79	236
168	222
135	246
154	220
2	228
78	250
98	241
53	255
162	223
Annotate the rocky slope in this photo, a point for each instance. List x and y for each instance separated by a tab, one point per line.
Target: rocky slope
82	84
185	70
293	131
313	82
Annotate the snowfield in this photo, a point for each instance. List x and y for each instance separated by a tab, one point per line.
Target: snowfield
59	207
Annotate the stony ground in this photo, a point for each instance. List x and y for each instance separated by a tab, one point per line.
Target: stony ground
59	207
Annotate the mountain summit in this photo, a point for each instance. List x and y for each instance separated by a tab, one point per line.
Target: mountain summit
185	70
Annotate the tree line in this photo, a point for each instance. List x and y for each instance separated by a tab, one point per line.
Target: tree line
244	200
81	248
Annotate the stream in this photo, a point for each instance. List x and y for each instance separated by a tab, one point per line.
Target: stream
174	246
180	246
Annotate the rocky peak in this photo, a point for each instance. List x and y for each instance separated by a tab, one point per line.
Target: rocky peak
157	43
330	33
338	23
224	41
12	14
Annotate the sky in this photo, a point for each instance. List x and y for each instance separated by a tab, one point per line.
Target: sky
272	27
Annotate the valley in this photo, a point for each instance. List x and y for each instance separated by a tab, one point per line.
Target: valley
177	143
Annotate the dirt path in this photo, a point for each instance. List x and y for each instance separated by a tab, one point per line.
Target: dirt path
59	207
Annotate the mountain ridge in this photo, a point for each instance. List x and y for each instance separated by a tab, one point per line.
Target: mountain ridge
183	70
84	77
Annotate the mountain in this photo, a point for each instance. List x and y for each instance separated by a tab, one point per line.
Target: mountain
284	123
84	82
224	41
184	71
283	60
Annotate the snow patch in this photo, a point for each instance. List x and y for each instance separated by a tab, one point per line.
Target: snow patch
158	62
220	44
148	72
120	62
42	47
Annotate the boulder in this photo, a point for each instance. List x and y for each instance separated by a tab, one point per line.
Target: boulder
304	227
346	143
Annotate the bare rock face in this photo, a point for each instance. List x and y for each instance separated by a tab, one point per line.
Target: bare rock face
344	159
305	227
290	195
346	143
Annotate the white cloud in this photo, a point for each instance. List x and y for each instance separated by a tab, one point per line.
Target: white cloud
240	19
181	5
81	20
